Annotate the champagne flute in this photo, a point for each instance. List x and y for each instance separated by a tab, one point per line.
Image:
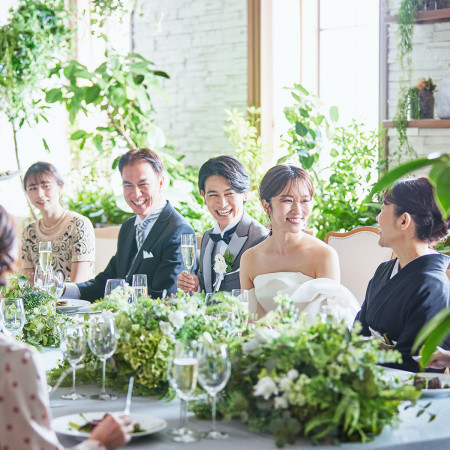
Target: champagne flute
113	284
182	371
241	310
45	255
102	341
73	347
214	369
12	316
139	286
188	250
59	284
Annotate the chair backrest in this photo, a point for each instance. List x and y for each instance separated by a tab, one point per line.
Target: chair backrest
105	246
359	256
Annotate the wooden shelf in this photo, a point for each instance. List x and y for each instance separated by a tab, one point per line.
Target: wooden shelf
433	16
424	123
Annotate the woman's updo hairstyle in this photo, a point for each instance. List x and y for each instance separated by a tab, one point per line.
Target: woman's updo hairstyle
7	245
39	169
279	177
415	196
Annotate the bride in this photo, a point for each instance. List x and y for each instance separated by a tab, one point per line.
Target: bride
291	262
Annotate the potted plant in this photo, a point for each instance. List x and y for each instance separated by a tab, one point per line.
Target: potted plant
425	89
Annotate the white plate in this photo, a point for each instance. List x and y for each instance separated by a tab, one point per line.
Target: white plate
445	380
72	305
148	423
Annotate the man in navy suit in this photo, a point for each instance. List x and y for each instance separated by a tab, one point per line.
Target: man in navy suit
224	184
149	243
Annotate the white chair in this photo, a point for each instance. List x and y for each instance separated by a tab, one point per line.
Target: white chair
105	246
359	256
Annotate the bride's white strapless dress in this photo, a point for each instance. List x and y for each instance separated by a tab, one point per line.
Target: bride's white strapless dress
309	295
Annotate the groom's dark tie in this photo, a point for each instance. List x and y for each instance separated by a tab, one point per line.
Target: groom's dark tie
216	237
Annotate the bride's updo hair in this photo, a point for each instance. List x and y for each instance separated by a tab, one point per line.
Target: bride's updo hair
279	177
415	196
7	245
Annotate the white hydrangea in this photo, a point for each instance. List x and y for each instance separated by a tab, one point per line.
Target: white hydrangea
166	328
280	403
262	336
292	374
177	318
265	387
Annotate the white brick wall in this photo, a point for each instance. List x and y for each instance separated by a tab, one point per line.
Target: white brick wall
431	58
202	45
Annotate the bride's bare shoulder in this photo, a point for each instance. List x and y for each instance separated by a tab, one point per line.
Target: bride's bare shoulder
320	246
255	252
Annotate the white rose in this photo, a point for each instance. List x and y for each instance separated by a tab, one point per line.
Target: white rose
280	403
177	319
285	383
219	258
166	328
265	387
292	374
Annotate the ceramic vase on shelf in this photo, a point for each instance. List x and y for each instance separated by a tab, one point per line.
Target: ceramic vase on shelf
443	98
426	102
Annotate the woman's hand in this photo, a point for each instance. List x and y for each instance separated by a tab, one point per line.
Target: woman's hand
440	359
187	282
113	431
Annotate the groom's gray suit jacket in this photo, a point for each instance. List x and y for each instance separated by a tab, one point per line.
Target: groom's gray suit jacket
248	233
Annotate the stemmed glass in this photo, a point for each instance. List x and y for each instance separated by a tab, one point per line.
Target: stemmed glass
214	369
44	279
113	284
102	341
45	255
139	286
188	250
59	284
73	347
241	310
12	316
182	372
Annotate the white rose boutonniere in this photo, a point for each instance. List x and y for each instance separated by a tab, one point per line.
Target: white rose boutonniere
222	265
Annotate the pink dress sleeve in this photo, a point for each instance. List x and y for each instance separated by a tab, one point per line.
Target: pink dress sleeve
24	403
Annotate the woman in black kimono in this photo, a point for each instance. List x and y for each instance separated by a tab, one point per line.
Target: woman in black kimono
406	292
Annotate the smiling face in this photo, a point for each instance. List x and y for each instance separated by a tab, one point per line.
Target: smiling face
223	202
142	187
44	192
290	210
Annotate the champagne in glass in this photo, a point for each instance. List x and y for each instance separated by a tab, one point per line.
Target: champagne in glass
140	288
182	372
45	255
73	347
188	250
102	341
12	316
214	369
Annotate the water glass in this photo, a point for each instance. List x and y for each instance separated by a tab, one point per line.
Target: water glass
140	288
44	279
45	255
59	284
188	250
113	284
102	341
182	372
214	369
12	316
73	347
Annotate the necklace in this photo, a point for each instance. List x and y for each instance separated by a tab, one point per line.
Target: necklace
46	229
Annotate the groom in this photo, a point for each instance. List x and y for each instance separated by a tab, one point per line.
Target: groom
149	243
224	184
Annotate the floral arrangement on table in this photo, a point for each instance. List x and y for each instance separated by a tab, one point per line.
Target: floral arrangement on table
420	93
316	380
147	330
42	320
425	85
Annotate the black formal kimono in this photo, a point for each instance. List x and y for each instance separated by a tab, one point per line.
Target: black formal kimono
159	257
400	306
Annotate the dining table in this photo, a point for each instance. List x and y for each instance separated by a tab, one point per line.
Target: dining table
411	432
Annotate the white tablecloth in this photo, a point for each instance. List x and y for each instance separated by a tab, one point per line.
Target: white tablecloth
412	433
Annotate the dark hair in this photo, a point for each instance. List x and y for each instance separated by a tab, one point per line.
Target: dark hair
281	176
7	245
228	167
40	168
415	196
143	154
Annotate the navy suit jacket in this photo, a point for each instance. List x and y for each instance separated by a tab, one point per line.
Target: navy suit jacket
163	243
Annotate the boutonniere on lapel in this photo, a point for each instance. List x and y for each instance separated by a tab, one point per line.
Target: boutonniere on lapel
222	265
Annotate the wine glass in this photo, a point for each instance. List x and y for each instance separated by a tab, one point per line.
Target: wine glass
182	371
139	286
73	347
188	250
214	369
102	341
59	284
12	316
45	255
241	310
44	279
113	284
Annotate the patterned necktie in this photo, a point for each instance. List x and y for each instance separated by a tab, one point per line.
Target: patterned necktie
216	237
140	227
